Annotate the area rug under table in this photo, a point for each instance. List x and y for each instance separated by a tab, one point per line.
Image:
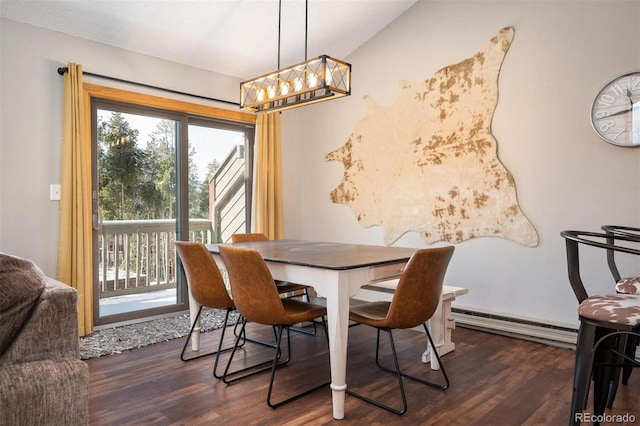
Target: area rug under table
117	339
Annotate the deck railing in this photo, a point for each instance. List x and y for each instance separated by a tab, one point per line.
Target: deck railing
140	255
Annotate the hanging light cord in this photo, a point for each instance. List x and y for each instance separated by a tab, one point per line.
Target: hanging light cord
279	27
306	27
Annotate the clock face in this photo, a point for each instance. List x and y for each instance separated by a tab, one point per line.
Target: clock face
615	114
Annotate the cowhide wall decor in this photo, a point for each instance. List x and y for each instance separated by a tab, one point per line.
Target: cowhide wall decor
428	163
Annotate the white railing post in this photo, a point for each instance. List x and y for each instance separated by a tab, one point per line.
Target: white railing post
143	250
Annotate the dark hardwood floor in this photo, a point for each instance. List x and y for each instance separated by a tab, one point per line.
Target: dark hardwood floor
495	380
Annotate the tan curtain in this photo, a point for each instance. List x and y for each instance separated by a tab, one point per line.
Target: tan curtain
75	246
268	197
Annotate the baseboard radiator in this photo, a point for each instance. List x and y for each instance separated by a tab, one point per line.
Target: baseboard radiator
549	334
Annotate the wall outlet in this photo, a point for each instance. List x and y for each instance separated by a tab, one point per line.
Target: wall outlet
54	192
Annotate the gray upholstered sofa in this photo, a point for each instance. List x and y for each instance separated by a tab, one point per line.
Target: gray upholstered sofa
42	379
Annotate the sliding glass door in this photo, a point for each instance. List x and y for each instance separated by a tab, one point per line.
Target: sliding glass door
160	177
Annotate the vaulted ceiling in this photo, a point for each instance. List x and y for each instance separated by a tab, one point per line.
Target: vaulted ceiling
233	37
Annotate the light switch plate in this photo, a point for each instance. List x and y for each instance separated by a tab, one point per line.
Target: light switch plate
54	192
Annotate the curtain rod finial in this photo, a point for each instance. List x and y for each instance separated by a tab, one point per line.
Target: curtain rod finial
62	70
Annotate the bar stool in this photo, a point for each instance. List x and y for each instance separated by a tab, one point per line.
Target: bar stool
626	285
605	322
602	318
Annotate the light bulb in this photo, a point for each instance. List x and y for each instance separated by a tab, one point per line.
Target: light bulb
312	80
284	88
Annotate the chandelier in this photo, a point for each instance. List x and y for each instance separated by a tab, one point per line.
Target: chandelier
314	80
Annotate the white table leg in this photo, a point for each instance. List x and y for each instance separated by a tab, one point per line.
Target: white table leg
435	328
338	329
440	327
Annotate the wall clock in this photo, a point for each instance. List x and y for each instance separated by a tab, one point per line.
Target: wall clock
615	113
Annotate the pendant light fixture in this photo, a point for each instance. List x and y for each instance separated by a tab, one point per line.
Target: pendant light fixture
314	80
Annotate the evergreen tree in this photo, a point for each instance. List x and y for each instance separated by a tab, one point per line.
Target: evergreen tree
161	152
138	184
121	168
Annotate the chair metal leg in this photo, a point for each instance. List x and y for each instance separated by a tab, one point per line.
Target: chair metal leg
444	372
274	366
603	374
616	373
219	351
186	343
250	339
630	351
396	372
399	374
301	330
582	371
598	359
444	386
611	355
253	369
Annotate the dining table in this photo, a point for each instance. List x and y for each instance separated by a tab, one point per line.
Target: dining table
336	271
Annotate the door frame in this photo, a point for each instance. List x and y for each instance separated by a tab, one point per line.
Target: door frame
165	107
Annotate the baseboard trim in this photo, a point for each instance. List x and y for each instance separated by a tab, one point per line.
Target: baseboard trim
550	334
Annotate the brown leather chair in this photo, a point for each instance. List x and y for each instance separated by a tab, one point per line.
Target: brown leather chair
414	302
207	288
257	299
284	287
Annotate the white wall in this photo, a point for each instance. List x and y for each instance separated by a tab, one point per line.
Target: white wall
31	116
566	177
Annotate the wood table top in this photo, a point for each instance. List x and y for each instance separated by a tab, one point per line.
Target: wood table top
324	254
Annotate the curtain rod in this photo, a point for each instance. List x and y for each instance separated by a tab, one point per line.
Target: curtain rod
63	70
